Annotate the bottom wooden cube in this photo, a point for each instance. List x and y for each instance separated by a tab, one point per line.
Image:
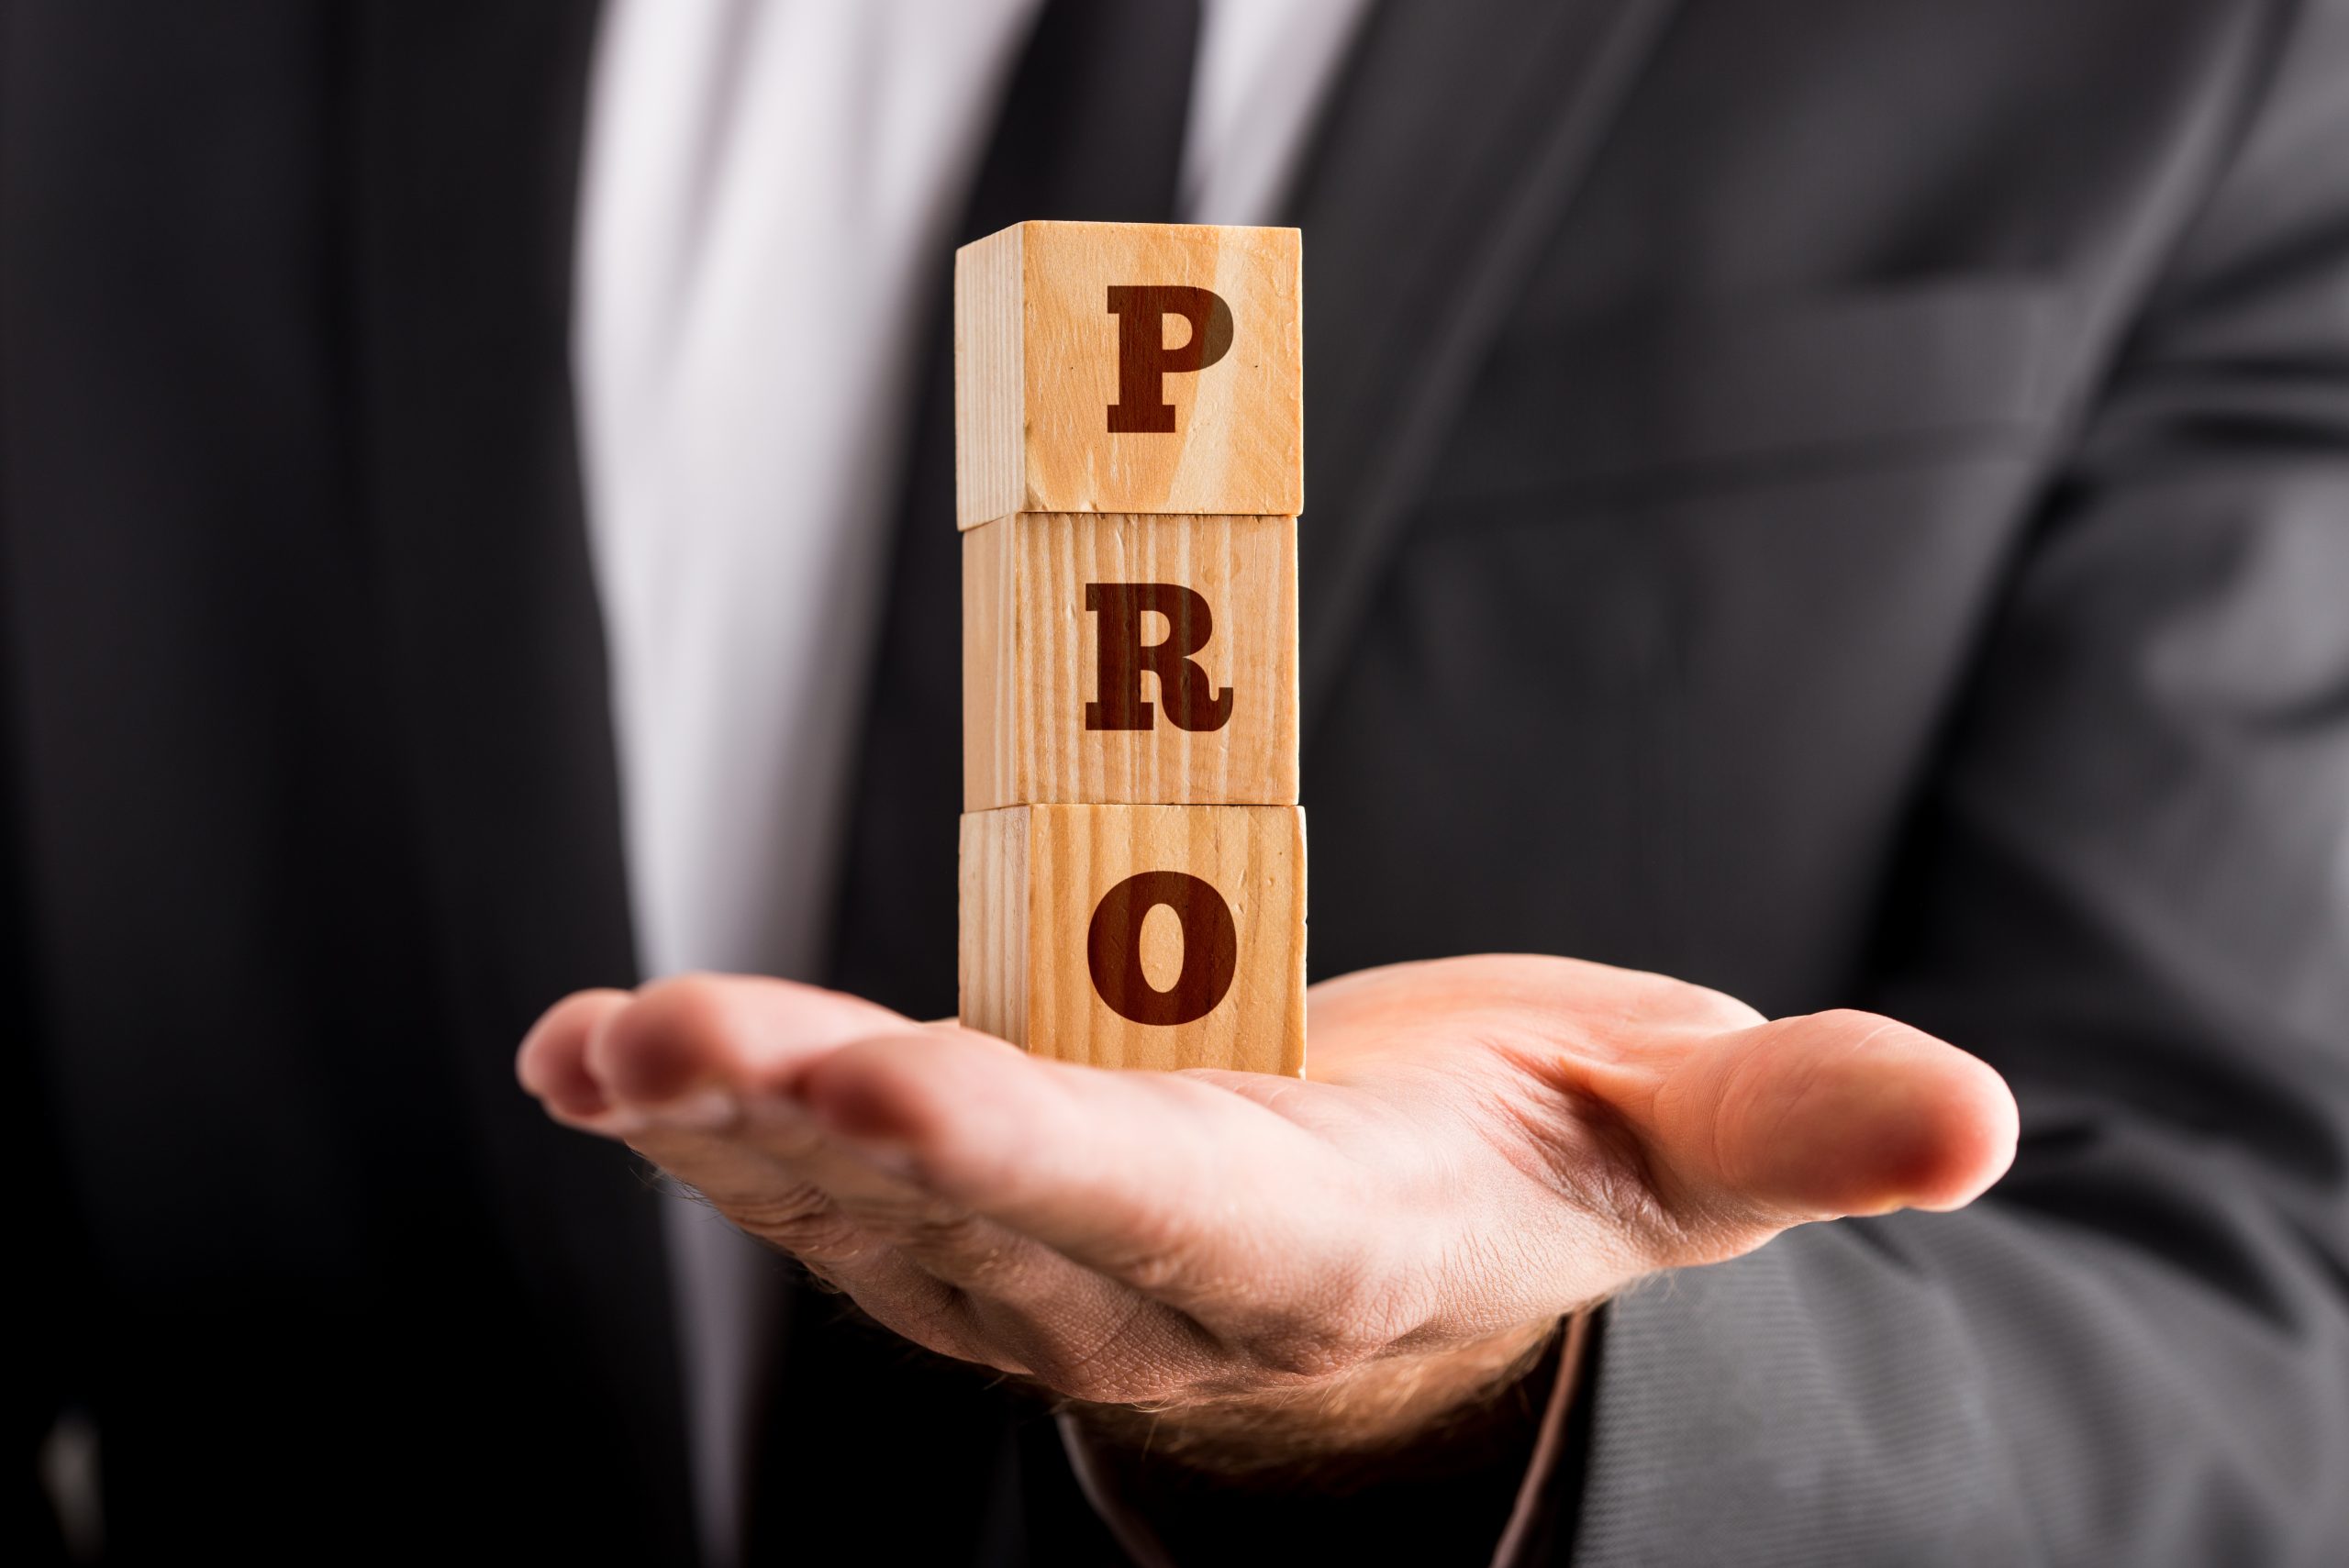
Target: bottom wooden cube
1138	936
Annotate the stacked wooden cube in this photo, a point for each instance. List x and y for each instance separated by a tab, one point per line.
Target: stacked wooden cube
1130	468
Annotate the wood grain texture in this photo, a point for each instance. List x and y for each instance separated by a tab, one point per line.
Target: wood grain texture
1036	355
1032	662
1033	882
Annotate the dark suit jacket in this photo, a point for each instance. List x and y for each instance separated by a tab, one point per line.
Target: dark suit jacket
1846	501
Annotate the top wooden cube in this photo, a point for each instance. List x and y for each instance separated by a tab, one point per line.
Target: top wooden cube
1128	367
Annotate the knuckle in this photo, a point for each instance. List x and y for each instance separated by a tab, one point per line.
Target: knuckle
937	1230
929	1313
789	1209
801	1222
829	1238
932	1313
954	1243
974	1253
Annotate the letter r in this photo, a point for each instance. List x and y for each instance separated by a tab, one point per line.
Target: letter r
1190	693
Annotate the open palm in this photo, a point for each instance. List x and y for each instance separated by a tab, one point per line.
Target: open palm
1482	1145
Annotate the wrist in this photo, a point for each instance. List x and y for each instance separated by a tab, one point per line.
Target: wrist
1452	1407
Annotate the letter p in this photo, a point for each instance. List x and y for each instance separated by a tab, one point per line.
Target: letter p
1143	359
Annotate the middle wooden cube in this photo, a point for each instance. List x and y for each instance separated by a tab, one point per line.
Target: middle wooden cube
1129	660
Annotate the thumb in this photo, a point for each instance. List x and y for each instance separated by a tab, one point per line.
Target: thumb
1838	1113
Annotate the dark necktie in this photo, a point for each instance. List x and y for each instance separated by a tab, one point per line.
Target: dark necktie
1091	128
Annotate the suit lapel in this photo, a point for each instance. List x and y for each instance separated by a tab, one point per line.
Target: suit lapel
467	136
1458	135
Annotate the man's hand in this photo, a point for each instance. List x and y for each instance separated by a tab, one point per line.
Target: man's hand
1484	1144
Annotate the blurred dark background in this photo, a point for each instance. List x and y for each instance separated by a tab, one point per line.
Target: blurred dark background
1844	501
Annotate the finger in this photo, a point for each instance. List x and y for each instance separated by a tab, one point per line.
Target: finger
1188	1192
699	1073
933	1271
596	1051
671	1071
684	1053
553	1061
693	1073
1837	1112
684	1071
1018	1304
711	1140
1496	994
737	1033
688	1072
868	1227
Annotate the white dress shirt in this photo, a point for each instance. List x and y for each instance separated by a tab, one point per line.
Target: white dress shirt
766	196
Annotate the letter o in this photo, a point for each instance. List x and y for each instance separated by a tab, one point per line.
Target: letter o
1210	948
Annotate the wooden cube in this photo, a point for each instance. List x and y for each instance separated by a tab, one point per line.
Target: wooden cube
1110	658
1138	936
1119	367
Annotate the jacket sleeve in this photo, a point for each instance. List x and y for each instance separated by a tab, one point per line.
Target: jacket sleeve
2128	890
